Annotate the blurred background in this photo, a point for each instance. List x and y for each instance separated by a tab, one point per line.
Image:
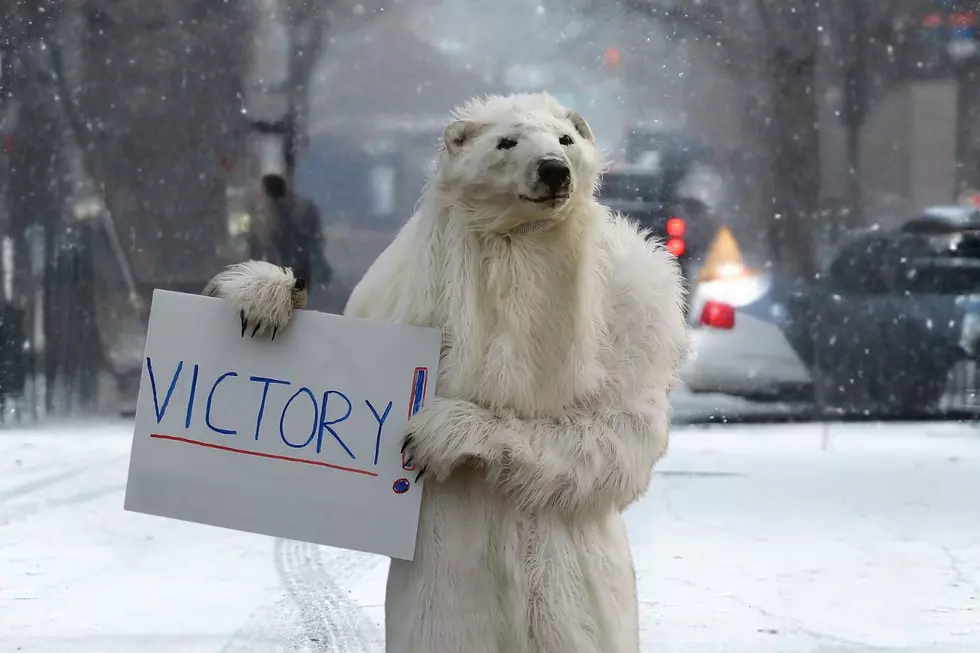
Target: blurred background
814	166
828	154
824	158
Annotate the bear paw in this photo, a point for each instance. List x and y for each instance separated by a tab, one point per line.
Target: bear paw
435	447
264	295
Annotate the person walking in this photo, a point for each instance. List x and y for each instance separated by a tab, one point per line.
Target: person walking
287	231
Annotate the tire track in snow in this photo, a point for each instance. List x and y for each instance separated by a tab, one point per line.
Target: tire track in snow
326	618
53	479
76	493
38	507
272	629
331	620
39	484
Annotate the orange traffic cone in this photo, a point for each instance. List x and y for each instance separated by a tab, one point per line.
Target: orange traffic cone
724	260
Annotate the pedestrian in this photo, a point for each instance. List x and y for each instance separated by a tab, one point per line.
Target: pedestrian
287	231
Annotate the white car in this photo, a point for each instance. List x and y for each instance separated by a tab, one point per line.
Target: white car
737	344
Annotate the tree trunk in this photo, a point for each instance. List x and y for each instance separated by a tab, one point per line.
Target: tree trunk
855	198
751	171
856	101
794	141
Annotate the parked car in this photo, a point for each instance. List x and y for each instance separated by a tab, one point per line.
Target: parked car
738	346
669	183
881	328
883	332
684	225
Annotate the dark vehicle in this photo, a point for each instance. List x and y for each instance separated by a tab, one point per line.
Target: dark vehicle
890	330
892	327
652	188
945	221
685	225
675	150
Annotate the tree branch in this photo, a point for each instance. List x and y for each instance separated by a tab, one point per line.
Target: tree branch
708	23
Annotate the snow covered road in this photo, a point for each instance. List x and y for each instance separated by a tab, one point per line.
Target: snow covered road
752	539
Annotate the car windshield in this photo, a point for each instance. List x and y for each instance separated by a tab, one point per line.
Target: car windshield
245	243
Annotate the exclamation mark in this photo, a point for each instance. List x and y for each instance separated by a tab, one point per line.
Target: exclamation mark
420	382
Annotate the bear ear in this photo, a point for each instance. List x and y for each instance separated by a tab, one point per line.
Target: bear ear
457	133
581	126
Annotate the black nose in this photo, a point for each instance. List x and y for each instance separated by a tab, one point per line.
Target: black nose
554	174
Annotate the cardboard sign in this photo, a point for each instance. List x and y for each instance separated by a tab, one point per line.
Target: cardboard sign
298	437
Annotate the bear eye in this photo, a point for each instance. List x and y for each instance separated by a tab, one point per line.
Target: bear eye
565	140
506	143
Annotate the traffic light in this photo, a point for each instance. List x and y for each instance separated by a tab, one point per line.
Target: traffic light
676	229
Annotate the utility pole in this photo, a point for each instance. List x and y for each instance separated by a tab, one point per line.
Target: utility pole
288	39
855	108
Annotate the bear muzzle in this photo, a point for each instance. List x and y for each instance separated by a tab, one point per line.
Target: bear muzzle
551	181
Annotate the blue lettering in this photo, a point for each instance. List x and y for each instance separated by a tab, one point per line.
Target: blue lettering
153	385
282	419
190	398
381	424
207	412
265	393
324	424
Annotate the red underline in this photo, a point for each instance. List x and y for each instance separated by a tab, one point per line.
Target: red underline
174	438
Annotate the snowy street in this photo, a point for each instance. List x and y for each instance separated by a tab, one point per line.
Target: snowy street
541	223
752	539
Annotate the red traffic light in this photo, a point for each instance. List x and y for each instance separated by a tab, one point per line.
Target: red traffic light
676	227
676	246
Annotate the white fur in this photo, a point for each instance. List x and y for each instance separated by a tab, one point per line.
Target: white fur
263	294
560	344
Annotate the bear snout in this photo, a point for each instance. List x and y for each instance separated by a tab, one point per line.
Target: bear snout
555	175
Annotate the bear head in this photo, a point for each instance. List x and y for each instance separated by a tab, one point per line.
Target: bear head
515	161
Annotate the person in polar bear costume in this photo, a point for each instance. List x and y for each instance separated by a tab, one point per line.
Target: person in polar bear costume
562	334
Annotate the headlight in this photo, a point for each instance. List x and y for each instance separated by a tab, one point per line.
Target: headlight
239	223
87	208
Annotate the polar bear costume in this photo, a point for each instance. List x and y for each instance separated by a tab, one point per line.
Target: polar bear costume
563	332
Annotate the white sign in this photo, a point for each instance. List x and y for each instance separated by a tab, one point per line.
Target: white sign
297	437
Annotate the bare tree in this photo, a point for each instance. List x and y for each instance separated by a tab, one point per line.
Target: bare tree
867	41
773	48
